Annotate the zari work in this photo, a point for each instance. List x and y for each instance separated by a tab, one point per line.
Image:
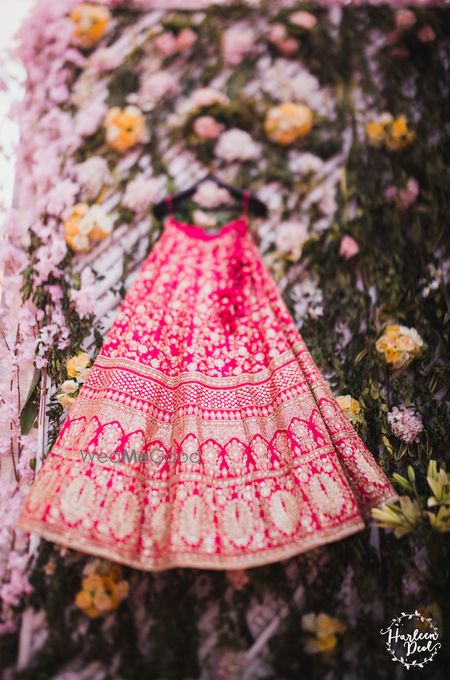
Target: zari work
204	436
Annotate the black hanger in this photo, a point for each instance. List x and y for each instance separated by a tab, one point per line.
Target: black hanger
255	205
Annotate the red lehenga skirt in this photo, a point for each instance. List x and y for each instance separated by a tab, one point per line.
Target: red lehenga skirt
204	436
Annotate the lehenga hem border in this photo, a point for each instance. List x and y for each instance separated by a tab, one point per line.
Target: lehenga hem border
199	561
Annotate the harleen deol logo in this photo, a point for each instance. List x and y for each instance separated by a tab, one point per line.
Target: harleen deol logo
412	639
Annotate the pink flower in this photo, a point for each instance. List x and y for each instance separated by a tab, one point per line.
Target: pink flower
278	37
55	293
237	42
349	247
105	59
403	197
86	297
404	19
426	34
166	44
59	198
303	19
140	193
186	39
207	96
405	423
207	127
237	577
155	87
89	118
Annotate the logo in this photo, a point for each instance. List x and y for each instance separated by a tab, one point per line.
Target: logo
412	639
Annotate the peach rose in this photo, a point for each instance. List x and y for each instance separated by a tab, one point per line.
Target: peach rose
207	127
349	247
303	19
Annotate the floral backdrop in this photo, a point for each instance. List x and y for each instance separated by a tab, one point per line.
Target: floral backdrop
337	118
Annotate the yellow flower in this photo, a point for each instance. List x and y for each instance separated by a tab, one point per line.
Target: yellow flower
328	625
102	588
440	521
91	22
124	127
325	628
287	122
320	645
350	407
65	400
92	583
398	136
83	599
77	363
86	224
375	132
439	483
103	602
393	133
74	238
402	519
399	345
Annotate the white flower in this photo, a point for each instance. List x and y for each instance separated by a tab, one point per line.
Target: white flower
140	193
290	237
203	219
83	374
237	41
287	80
206	96
154	88
236	145
210	195
92	174
327	203
308	300
291	81
96	217
413	334
80	243
304	163
69	386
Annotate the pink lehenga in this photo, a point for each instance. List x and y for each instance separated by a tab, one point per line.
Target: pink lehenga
204	436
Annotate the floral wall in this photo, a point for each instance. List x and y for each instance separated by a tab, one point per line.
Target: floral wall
337	118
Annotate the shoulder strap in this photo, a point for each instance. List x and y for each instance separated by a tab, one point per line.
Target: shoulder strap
245	202
169	204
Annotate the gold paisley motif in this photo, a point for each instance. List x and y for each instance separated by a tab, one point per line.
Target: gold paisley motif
326	494
159	524
238	522
77	499
192	517
284	511
123	515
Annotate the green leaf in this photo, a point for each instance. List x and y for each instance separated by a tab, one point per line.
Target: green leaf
30	410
